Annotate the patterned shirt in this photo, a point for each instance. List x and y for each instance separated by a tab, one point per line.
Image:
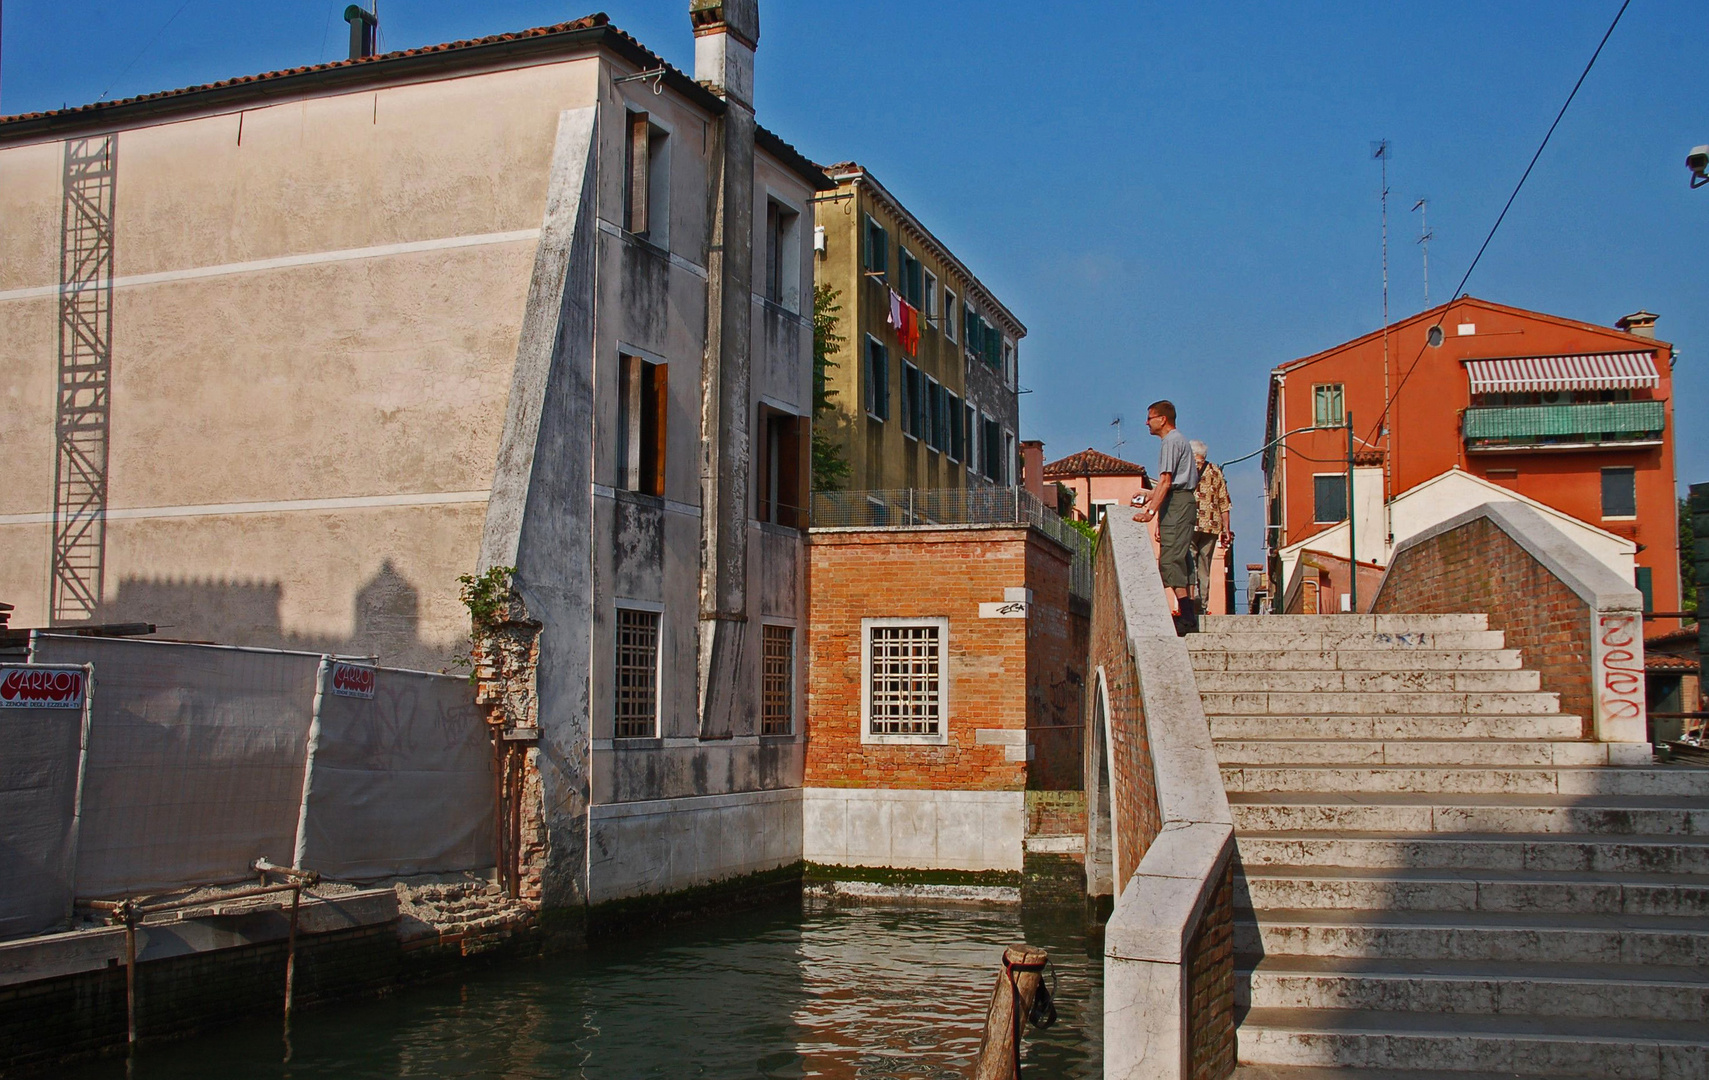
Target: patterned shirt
1213	499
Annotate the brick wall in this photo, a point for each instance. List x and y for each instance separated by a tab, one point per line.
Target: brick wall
1002	673
1478	568
1134	788
1210	987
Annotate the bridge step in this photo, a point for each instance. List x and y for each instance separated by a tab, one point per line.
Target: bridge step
1472	987
1222	625
1416	726
1260	814
1480	851
1362	704
1255	639
1213	657
1517	780
1511	891
1372	752
1363	682
1513	1045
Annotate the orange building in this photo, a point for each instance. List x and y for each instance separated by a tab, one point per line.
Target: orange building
1575	416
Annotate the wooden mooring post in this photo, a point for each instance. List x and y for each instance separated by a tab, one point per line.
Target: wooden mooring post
1018	987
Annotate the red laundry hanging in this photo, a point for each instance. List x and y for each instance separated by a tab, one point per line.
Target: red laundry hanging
909	332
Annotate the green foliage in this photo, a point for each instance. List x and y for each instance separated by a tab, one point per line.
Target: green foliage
485	596
1687	549
1084	528
830	469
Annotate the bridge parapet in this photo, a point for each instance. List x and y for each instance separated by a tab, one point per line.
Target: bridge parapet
1160	834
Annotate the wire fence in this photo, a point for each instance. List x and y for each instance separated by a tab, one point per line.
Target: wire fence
901	507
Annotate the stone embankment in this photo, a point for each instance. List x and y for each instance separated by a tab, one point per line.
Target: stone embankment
1440	874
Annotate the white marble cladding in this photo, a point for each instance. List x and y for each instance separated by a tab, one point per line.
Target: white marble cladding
665	845
911	829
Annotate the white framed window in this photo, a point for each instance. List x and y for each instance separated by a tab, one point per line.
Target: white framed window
635	675
777	690
948	320
904	695
783	254
1011	366
929	306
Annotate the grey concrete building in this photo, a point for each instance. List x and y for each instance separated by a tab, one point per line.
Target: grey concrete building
286	355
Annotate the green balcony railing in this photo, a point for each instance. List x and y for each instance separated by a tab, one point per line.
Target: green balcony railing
1608	421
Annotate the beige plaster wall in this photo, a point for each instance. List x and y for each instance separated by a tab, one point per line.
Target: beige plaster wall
382	377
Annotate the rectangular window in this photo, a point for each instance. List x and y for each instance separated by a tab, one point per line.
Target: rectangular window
641	425
1619	492
1010	368
782	497
877	380
782	255
970	436
953	410
877	248
951	314
646	187
637	683
910	400
991	451
1327	409
904	697
1329	497
1011	465
935	425
777	711
910	279
929	308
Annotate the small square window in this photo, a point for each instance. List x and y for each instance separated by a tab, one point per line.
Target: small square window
904	698
637	683
1620	492
778	705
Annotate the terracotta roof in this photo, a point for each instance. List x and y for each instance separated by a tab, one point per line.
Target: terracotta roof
1090	462
384	68
1686	636
1664	662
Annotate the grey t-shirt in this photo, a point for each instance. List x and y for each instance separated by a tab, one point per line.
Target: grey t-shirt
1177	460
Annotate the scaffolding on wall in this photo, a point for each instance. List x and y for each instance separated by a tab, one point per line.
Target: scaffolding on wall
83	409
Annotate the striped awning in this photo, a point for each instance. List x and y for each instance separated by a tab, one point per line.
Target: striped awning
1586	371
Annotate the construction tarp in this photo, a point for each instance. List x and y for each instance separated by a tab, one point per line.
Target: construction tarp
195	760
400	778
41	714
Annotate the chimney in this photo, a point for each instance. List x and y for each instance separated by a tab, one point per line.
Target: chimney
1032	466
1639	324
726	33
364	25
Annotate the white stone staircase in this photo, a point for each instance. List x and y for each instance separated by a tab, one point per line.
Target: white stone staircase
1439	875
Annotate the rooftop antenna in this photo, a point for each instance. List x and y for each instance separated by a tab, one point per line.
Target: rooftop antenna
1424	238
1381	151
1120	442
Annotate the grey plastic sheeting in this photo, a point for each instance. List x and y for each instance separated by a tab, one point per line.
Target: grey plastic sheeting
38	789
399	783
195	769
195	765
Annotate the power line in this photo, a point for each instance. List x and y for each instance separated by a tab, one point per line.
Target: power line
126	69
1460	288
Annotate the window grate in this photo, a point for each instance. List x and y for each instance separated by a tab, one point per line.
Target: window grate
637	673
778	709
906	687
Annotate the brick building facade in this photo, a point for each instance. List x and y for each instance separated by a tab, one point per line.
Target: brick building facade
944	664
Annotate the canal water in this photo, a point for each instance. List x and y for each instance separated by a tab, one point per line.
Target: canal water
797	991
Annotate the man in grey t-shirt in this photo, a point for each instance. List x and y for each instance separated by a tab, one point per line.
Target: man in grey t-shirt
1172	503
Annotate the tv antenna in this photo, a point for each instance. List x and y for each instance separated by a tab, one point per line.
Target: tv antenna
1424	238
1120	442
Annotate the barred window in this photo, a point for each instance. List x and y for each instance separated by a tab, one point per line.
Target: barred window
637	674
778	709
904	696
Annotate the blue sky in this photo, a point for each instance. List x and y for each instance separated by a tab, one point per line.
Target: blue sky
1174	198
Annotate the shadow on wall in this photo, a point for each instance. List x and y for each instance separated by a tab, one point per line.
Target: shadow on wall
387	624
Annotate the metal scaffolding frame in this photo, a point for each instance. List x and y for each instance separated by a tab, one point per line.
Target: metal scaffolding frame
85	368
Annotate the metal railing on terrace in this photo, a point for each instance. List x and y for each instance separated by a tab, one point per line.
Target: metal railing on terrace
957	506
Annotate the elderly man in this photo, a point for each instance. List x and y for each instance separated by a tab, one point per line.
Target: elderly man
1212	526
1170	503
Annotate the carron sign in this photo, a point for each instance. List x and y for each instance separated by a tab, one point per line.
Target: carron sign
41	687
352	680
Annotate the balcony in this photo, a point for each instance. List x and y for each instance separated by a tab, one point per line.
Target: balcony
1566	427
